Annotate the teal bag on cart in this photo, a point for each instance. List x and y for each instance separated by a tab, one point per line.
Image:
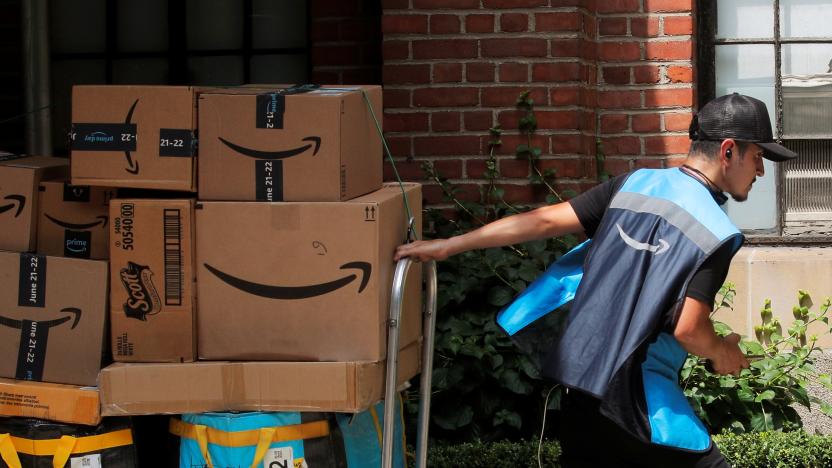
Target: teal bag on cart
286	439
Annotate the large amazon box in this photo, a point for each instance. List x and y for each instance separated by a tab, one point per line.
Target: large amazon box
52	314
152	278
73	220
134	136
349	387
54	402
19	180
289	144
303	281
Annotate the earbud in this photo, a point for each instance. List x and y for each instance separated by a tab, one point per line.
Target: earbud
728	153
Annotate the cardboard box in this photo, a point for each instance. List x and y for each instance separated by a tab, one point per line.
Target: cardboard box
134	136
19	180
303	281
54	402
52	313
152	277
140	389
273	145
73	220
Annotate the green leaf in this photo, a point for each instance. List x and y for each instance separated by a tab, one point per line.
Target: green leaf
451	420
766	395
761	422
727	382
510	418
512	381
500	296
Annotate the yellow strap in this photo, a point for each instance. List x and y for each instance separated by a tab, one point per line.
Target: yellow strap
377	424
310	430
95	443
201	433
8	452
266	436
65	446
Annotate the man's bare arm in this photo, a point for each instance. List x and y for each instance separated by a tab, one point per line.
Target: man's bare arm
695	333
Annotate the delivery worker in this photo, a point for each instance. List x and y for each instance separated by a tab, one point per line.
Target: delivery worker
659	250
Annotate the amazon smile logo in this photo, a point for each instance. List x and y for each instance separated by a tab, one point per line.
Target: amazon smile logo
102	220
16	200
132	166
657	249
314	141
18	324
297	292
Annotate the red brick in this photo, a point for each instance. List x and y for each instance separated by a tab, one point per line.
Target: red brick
446	145
514	22
558	71
522	47
445	97
619	99
447	72
666	145
412	170
514	3
618	6
566	144
677	122
475	168
510	143
644	27
444	48
646	74
678	25
399	145
479	23
514	72
564	96
614	123
560	21
621	145
406	122
668	97
566	47
444	122
395	4
514	168
567	168
668	5
612	26
508	96
616	75
477	120
619	51
524	193
615	166
644	163
404	24
445	4
396	98
670	50
395	50
405	74
433	194
334	55
677	74
643	123
444	24
479	72
357	30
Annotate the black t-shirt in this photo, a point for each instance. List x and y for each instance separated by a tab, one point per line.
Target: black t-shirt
591	206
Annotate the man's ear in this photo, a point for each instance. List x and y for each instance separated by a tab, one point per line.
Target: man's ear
727	150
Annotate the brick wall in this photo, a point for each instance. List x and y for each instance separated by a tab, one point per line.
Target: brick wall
345	39
619	70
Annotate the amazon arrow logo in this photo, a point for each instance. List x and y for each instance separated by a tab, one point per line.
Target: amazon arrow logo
275	155
296	292
132	166
102	220
18	324
658	249
18	200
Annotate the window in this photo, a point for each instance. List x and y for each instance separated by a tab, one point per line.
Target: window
199	42
780	52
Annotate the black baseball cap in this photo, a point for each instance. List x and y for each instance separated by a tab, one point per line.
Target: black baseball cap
741	118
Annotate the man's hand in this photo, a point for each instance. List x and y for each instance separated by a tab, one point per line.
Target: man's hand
729	359
423	251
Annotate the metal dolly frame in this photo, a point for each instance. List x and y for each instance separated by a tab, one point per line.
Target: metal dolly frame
428	328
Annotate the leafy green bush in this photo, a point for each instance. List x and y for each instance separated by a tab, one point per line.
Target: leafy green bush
761	397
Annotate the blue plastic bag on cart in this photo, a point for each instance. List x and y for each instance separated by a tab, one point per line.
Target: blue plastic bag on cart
286	439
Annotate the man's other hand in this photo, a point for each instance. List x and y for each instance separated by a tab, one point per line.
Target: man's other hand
423	251
729	359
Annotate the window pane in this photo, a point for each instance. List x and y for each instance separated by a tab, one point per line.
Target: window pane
216	71
140	71
808	186
807	91
749	69
805	18
64	74
142	25
280	23
278	69
215	24
77	26
745	19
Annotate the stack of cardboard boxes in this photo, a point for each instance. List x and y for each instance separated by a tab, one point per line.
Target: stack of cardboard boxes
266	286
